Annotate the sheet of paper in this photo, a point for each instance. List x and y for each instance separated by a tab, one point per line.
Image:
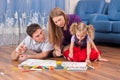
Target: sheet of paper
74	64
38	62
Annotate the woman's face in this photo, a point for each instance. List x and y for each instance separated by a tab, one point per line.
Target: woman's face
59	21
38	35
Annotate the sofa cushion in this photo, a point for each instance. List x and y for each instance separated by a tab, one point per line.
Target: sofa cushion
102	26
116	27
107	37
114	10
86	7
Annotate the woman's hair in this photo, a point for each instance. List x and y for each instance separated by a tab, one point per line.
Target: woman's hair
55	33
82	27
32	28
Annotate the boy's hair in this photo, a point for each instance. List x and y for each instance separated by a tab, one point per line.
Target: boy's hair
55	33
32	28
82	27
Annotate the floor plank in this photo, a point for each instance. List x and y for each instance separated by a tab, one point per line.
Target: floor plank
103	70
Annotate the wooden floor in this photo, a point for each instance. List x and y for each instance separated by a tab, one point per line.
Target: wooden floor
103	70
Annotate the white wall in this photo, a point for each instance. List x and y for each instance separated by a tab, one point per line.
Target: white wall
107	0
73	4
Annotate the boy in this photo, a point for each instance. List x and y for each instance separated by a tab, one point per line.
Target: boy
36	42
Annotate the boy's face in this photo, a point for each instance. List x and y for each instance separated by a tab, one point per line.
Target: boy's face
38	35
59	21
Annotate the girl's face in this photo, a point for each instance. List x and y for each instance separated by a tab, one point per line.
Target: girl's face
81	35
59	21
38	35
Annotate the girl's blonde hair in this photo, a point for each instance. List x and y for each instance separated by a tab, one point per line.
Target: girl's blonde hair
91	31
82	27
55	33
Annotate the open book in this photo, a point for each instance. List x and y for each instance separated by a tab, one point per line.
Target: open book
47	63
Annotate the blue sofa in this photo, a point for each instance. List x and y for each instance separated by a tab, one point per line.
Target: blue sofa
88	9
105	17
107	26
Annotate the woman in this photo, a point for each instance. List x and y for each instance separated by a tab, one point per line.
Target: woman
58	29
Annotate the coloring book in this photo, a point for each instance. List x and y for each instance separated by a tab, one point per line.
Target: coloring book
56	64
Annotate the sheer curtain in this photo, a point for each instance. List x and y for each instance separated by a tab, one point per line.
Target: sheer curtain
2	19
15	15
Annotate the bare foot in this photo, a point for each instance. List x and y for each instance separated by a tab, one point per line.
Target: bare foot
102	59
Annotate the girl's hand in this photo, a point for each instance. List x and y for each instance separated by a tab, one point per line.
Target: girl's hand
88	61
23	57
70	55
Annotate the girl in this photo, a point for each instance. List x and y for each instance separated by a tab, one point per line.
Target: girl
82	47
58	29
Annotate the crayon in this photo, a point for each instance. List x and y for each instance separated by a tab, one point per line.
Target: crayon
90	67
15	69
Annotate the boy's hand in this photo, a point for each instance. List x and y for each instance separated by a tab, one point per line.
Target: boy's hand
22	49
23	57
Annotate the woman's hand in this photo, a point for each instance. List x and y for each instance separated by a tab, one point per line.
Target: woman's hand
57	53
